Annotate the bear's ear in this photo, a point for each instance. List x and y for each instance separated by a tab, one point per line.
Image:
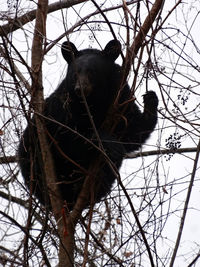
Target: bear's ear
69	51
112	50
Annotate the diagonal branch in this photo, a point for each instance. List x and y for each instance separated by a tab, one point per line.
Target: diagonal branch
17	23
185	209
140	37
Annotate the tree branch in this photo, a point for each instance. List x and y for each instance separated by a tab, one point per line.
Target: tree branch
140	37
185	209
161	152
14	159
17	23
39	42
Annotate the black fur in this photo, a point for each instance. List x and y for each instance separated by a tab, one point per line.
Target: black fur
84	99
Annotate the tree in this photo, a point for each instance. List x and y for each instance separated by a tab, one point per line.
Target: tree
146	219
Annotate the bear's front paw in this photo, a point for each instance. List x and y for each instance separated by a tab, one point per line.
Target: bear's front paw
150	100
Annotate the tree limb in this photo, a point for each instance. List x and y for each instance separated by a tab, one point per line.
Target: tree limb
39	42
14	159
185	209
140	37
17	23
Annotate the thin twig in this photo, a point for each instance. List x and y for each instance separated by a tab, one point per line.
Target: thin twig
185	206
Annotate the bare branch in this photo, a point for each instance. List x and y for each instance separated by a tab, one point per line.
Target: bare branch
14	159
185	209
17	23
140	37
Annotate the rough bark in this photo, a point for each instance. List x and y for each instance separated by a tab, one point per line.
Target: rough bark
66	243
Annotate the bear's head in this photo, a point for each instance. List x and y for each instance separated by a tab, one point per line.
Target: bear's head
92	73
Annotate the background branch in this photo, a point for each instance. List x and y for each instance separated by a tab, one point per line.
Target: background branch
18	22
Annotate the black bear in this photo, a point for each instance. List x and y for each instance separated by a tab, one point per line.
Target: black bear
77	125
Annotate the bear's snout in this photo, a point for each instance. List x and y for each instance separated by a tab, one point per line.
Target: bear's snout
83	86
